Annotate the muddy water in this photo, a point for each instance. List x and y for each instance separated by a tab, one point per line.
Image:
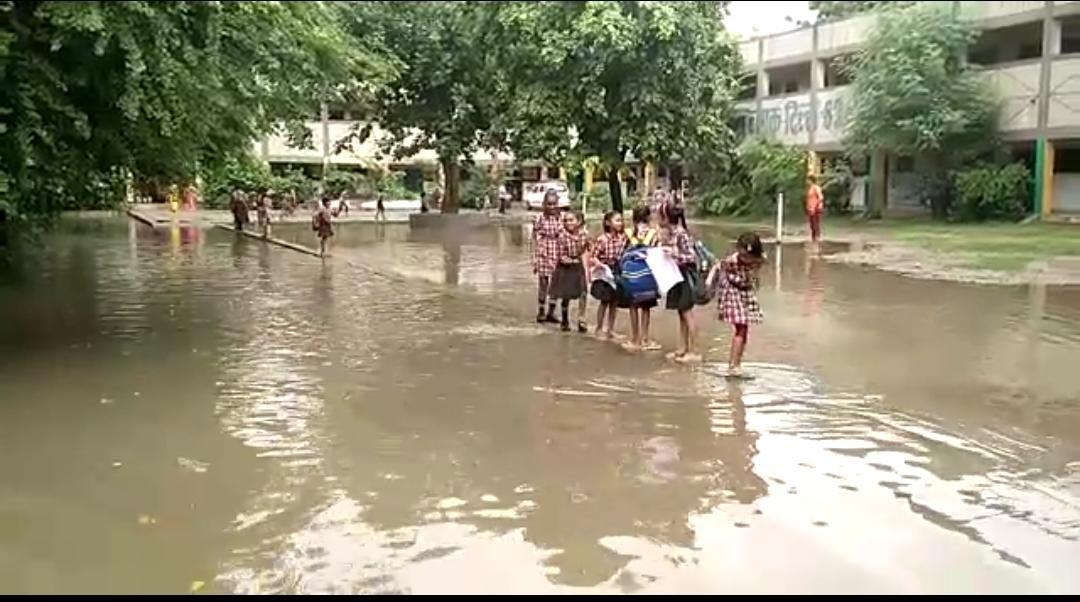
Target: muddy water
186	410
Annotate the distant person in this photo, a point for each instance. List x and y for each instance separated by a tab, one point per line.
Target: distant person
545	253
291	202
568	279
191	198
380	209
606	251
262	214
423	203
738	274
174	199
343	207
323	225
815	206
239	208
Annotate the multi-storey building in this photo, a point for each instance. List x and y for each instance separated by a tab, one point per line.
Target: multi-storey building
1029	51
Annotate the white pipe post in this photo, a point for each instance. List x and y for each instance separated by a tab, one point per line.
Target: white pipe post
779	217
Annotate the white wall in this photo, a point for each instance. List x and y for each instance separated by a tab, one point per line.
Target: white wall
1067	192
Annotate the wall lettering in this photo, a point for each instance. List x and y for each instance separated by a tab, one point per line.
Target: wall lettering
794	118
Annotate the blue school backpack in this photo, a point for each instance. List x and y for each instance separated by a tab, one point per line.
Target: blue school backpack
636	279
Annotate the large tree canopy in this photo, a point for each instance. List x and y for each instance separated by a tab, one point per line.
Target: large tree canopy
95	93
443	96
913	91
611	79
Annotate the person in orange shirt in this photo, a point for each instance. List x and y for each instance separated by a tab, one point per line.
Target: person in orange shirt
815	206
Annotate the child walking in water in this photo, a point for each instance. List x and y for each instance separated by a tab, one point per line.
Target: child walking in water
568	280
607	249
323	224
738	303
262	212
641	234
677	245
545	254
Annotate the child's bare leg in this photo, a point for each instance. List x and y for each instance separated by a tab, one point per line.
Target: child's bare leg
600	309
684	334
688	323
635	329
583	306
738	345
612	308
646	327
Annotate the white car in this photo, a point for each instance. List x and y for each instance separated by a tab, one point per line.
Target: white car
534	194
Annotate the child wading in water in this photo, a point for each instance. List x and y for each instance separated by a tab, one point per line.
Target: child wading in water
607	249
262	212
568	281
682	297
547	229
322	223
641	234
738	303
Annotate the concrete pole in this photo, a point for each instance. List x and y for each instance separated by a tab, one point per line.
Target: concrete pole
779	217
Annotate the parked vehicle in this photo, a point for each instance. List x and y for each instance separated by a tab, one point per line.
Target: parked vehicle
534	194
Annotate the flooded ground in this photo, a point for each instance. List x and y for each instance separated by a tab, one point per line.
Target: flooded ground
187	410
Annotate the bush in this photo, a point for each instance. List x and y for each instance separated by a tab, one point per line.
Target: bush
836	179
239	173
992	192
481	185
748	186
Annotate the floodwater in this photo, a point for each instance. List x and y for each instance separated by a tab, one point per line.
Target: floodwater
184	410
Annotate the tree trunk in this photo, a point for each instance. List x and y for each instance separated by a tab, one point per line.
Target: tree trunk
879	185
452	173
615	189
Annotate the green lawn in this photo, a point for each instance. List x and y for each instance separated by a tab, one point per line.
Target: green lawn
998	246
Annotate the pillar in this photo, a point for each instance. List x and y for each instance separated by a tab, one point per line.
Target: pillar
648	179
586	184
813	164
879	185
1044	177
562	174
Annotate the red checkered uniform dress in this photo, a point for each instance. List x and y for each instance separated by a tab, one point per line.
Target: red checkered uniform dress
738	303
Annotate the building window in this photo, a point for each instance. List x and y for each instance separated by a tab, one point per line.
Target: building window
1070	36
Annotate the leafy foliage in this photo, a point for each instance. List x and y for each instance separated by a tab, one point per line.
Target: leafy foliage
481	185
442	98
913	93
763	167
96	92
992	192
836	181
612	79
839	9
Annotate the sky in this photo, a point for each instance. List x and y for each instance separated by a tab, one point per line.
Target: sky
748	19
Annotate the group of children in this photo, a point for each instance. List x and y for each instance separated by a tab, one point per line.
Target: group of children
565	260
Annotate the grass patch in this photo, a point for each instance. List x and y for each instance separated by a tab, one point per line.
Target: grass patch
999	246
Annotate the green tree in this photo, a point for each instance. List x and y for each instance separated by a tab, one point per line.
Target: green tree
839	9
97	93
914	93
441	99
652	80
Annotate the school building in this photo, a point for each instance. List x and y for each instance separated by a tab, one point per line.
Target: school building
333	147
1028	51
